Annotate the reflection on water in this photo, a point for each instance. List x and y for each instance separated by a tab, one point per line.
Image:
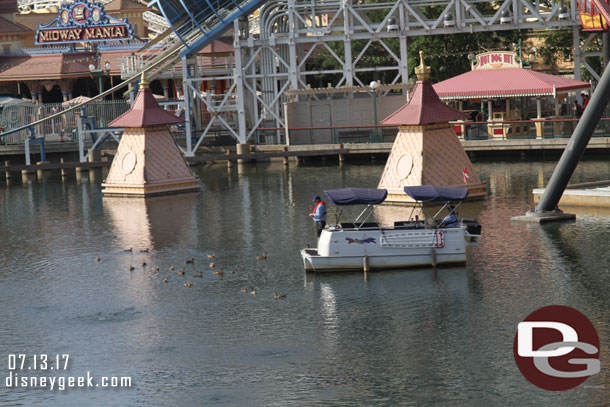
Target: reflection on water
152	223
417	337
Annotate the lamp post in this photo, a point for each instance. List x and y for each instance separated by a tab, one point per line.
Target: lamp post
97	71
374	85
107	67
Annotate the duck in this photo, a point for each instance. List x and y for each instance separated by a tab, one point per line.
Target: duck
143	264
97	259
129	250
211	256
190	261
200	275
233	271
188	284
165	280
171	268
279	296
181	272
262	256
219	273
131	268
252	291
144	250
155	268
212	265
244	290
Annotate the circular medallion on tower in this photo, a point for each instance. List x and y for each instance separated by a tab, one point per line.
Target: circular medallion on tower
404	165
128	163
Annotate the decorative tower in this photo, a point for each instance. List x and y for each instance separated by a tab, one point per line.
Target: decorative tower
148	161
426	150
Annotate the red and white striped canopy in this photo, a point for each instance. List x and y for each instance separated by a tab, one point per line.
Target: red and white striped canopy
503	83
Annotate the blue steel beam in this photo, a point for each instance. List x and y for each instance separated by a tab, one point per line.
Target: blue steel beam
199	12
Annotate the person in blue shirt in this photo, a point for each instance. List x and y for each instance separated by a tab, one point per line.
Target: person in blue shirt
452	219
319	214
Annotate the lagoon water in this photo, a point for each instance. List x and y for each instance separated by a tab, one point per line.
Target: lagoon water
399	338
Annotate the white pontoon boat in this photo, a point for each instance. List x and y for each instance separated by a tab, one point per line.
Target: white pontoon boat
411	243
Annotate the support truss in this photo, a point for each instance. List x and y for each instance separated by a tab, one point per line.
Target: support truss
292	32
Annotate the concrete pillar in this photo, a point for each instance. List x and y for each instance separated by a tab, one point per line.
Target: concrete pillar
539	124
285	158
63	170
94	156
490	116
243	149
557	125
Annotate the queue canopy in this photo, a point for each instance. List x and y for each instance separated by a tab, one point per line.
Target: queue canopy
431	193
505	83
356	196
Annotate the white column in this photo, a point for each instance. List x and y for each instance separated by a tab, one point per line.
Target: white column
348	64
238	76
187	106
577	51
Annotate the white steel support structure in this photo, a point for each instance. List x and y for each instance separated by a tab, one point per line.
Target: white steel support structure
292	30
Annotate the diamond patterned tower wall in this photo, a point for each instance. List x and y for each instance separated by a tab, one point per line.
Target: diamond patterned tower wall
426	150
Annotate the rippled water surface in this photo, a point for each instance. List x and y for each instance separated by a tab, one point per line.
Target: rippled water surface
416	337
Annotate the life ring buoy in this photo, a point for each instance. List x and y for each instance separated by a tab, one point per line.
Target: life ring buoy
439	239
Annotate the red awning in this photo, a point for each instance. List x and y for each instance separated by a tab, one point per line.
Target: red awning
502	83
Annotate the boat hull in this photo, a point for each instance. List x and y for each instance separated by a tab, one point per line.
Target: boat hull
345	250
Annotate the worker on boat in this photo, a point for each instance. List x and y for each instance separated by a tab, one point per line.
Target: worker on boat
452	219
319	214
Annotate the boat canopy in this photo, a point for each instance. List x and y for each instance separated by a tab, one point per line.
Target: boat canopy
430	193
356	196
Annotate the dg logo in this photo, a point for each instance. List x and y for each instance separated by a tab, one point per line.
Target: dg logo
556	348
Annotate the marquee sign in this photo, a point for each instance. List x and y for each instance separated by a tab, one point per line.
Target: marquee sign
496	60
83	22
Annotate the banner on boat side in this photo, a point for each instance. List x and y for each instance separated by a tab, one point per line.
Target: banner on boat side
556	348
83	22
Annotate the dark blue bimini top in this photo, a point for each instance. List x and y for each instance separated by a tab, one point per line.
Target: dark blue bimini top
429	193
356	196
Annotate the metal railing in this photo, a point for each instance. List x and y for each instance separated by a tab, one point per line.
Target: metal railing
60	128
495	130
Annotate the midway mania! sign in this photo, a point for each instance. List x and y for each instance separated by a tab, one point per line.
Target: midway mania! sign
83	22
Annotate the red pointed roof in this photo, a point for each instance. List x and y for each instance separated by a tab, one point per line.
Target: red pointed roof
424	107
145	112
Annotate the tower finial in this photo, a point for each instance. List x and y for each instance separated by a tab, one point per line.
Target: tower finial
422	71
143	81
